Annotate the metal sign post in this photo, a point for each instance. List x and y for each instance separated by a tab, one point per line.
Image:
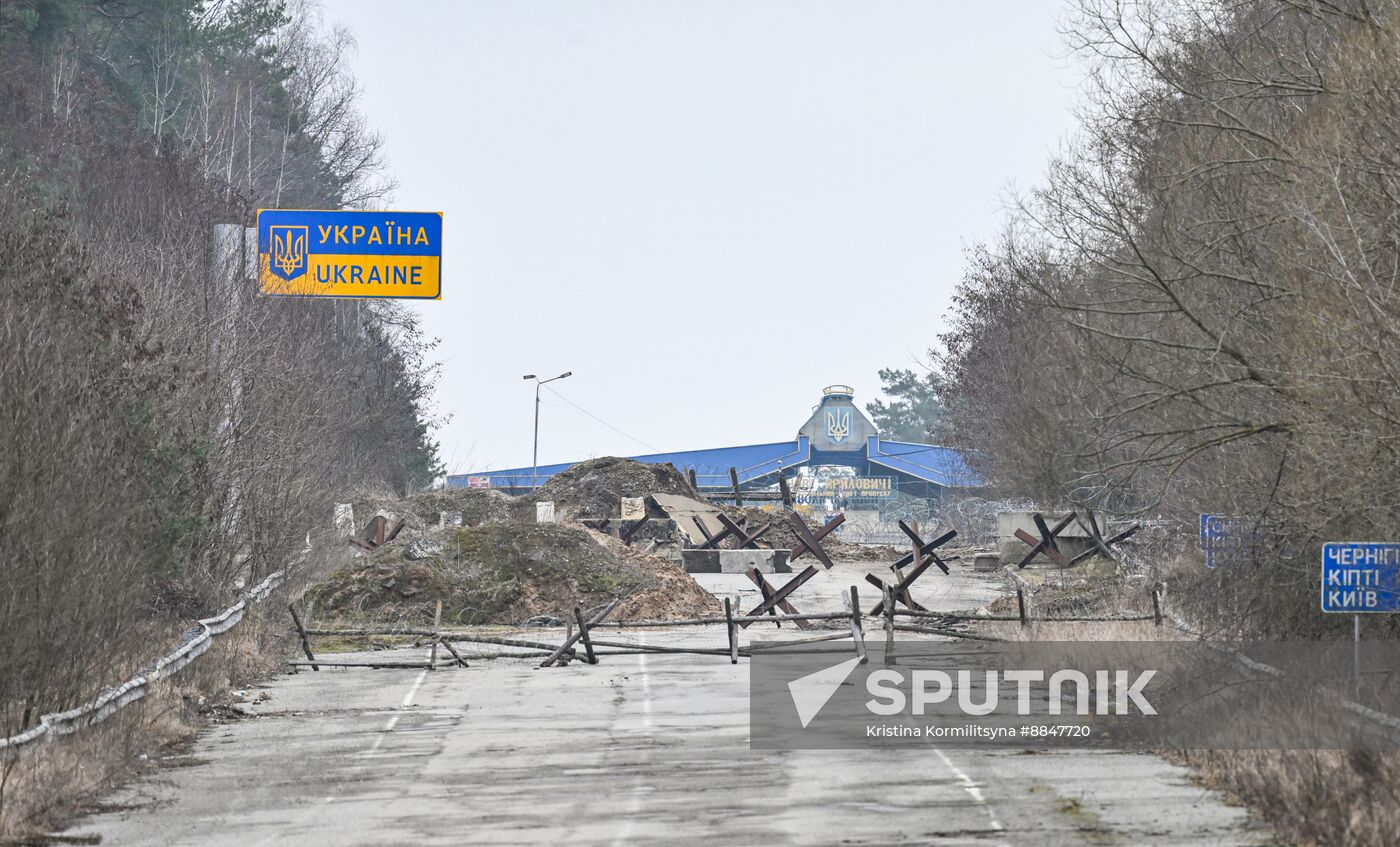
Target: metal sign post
1359	578
1356	656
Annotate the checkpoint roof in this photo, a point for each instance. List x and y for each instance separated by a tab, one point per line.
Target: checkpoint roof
837	432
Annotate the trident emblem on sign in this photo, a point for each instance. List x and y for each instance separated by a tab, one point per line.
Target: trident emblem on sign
838	425
288	259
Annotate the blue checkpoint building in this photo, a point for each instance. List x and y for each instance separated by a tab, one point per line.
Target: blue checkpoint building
836	434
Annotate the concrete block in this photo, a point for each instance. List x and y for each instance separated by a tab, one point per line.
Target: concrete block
345	518
736	561
544	511
1071	541
986	562
1009	522
634	508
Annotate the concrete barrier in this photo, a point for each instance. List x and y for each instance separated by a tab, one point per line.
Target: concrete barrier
736	561
1071	541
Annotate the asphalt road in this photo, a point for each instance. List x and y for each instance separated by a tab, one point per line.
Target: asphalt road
635	750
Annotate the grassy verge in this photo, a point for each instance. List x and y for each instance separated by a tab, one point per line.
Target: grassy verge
1308	797
48	784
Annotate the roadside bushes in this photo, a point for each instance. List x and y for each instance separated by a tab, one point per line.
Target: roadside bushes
1197	311
169	435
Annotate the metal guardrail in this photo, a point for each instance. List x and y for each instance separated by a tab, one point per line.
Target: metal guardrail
111	700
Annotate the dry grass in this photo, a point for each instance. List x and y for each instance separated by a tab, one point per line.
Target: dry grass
50	783
1086	631
1308	797
1311	797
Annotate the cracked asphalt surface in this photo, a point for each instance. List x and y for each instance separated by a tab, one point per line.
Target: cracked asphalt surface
635	750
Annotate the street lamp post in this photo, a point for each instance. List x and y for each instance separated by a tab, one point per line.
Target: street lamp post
535	455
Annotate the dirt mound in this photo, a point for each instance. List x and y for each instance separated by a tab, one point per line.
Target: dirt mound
503	574
425	510
848	552
780	535
673	594
595	488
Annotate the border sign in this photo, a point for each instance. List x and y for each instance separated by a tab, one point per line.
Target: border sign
1360	577
304	253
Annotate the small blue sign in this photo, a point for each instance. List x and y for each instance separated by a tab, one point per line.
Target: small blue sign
1360	577
1223	538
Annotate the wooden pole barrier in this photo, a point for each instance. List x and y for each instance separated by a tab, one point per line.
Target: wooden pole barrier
733	632
657	648
455	654
381	665
437	631
889	625
734	482
542	646
1157	603
954	616
583	633
780	645
1021	606
569	642
856	632
305	645
950	633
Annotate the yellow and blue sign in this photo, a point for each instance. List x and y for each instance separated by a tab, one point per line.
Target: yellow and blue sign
350	254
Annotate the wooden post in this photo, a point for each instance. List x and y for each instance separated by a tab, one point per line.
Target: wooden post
583	633
627	534
301	630
437	627
767	592
856	632
1157	603
1021	607
733	632
786	491
455	654
690	474
734	481
889	625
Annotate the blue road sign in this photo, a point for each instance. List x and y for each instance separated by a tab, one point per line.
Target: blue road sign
1223	537
1360	577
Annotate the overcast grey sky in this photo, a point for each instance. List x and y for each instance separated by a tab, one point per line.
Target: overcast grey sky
706	210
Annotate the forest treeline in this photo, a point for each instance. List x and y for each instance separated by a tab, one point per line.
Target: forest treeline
1198	311
168	434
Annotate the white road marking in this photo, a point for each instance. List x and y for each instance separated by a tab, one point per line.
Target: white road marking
973	789
277	837
394	721
634	804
